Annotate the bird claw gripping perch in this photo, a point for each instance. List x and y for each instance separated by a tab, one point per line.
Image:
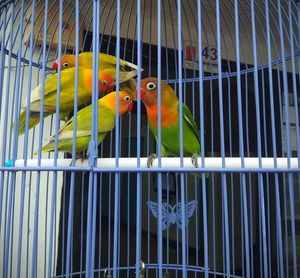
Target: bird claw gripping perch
142	269
150	160
106	273
194	159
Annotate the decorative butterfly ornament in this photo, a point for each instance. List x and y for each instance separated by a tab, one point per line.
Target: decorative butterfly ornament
172	215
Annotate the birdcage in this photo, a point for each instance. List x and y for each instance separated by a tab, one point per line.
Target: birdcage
129	199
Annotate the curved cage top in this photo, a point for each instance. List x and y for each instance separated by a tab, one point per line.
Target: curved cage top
12	13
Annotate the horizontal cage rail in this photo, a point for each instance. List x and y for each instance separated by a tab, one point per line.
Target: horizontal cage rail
167	163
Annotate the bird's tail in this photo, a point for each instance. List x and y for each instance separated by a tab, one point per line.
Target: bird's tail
109	59
50	146
34	119
127	75
128	64
47	148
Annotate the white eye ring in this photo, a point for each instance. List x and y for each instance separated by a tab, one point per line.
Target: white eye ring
127	98
104	82
151	86
65	64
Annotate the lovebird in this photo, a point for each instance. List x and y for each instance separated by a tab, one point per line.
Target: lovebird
129	86
106	122
67	89
107	64
170	144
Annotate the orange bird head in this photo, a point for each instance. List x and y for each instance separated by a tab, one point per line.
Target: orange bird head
149	93
106	82
125	101
67	61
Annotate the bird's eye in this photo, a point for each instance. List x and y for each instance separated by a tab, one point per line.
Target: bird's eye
127	98
65	65
104	82
151	86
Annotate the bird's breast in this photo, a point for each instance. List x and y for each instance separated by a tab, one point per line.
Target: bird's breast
168	116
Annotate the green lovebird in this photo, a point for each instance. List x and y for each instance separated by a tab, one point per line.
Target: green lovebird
67	89
106	122
107	65
170	142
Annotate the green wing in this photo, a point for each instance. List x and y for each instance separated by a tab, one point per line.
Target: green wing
110	60
105	61
50	90
66	91
124	75
188	118
67	76
82	143
106	122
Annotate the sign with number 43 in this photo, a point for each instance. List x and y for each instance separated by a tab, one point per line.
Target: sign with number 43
209	57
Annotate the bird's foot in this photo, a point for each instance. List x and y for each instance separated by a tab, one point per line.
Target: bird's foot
194	159
142	268
106	273
81	156
150	160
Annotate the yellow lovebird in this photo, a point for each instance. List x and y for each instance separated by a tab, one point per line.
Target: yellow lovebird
106	122
67	94
107	64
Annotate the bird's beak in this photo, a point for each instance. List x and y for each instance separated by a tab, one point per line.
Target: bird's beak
112	85
142	93
55	66
130	107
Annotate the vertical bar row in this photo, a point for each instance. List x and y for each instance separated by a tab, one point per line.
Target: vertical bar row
95	123
3	137
288	137
72	182
180	90
204	198
117	175
93	147
222	143
38	179
244	200
23	181
159	175
139	175
263	230
277	192
3	28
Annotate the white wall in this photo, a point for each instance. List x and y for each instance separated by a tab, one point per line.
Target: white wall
30	196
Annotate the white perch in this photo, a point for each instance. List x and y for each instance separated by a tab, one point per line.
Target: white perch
168	162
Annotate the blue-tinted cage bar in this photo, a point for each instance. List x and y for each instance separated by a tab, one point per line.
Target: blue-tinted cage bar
235	64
